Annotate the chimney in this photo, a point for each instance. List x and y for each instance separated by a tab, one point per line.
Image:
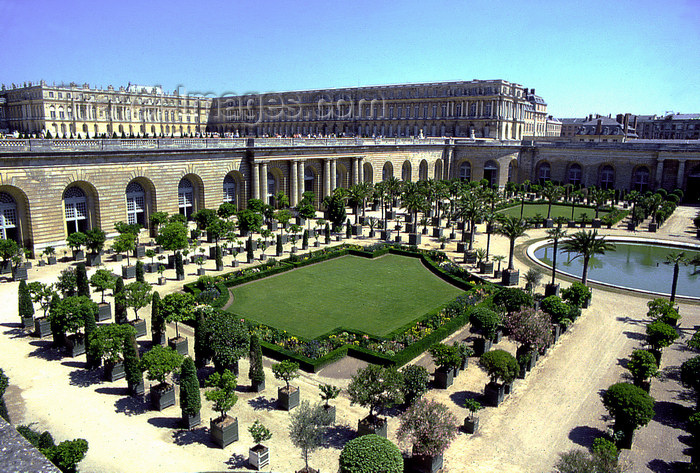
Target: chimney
599	127
626	122
619	118
635	121
532	91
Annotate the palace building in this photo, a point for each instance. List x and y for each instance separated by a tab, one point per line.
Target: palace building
258	145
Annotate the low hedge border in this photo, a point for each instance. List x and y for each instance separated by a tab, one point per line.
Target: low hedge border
404	356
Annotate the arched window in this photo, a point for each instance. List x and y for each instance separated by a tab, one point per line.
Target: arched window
271	188
229	189
511	171
491	173
607	177
75	204
406	172
185	195
640	181
368	173
465	171
423	170
309	178
387	171
575	174
135	204
545	173
8	217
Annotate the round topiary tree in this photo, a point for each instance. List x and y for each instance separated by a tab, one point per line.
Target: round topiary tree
512	299
631	407
660	335
485	321
371	454
415	382
642	366
500	365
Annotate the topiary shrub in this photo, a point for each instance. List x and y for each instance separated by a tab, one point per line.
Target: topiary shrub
642	366
499	364
512	299
82	280
371	454
25	307
577	294
660	335
555	308
485	320
415	382
630	406
256	372
190	399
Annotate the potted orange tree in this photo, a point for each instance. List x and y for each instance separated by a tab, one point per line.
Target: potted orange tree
158	363
287	396
101	281
259	455
223	429
377	388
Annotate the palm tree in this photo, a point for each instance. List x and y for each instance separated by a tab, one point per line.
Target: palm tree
532	279
587	244
413	201
356	198
555	234
676	259
551	193
471	208
512	228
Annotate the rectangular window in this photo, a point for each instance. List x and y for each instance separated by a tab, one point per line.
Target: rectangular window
50	94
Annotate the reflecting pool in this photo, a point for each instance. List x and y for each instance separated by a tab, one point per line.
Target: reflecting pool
638	266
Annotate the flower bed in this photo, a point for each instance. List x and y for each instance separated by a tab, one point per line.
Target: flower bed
397	348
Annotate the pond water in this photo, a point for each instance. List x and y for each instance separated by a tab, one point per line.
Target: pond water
638	266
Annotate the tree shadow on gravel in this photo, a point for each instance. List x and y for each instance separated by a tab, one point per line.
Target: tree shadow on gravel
631	321
237	462
671	414
634	335
131	406
85	378
584	435
45	351
113	391
338	435
165	422
261	403
16	330
188	437
460	397
660	466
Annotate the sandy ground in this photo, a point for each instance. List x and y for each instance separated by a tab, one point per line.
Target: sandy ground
557	407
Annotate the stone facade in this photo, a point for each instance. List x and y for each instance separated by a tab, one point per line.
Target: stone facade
50	188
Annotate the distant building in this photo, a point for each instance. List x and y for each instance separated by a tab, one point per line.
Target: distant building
72	110
679	126
598	129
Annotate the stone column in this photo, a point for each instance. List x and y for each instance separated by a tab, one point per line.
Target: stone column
681	172
293	184
255	171
659	172
263	182
358	170
300	176
334	170
326	177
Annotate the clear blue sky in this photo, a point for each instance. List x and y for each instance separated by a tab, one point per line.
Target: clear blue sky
582	56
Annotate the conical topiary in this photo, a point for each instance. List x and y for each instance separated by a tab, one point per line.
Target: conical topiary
190	400
119	302
82	280
157	322
25	306
256	373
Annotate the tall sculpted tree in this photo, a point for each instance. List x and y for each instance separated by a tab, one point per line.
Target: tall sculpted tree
587	244
173	237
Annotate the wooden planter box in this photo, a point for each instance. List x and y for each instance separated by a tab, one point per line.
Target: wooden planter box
42	327
437	232
288	400
385	235
75	345
426	463
443	378
486	267
162	280
190	422
414	239
482	345
494	394
137	390
510	277
257	387
158	338
78	255
162	396
259	456
50	260
19	273
224	432
551	290
27	322
140	251
356	230
179	345
94	259
470	256
151	268
140	327
114	371
471	425
118	257
104	312
201	271
372	425
129	272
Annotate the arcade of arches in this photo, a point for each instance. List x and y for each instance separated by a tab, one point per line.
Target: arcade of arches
45	198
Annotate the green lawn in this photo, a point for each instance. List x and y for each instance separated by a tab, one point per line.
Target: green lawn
375	296
557	211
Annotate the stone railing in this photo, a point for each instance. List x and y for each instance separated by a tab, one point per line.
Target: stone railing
42	145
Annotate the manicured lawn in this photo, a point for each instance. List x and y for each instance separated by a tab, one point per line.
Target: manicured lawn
557	211
373	295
